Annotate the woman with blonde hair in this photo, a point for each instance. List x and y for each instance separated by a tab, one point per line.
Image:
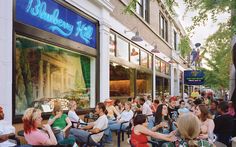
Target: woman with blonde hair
59	121
32	120
189	129
72	114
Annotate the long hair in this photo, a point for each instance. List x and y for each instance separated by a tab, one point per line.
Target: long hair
158	116
29	118
204	112
189	128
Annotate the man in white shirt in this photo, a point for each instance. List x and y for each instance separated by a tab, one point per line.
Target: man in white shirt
146	109
81	134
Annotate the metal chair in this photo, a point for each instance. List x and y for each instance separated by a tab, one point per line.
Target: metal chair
123	131
99	144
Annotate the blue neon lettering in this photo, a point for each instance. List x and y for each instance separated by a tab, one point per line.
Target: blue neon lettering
40	11
84	31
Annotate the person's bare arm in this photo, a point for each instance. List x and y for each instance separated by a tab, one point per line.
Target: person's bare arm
51	120
3	138
52	139
68	124
148	132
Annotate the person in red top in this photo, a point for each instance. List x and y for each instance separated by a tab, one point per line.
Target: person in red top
140	132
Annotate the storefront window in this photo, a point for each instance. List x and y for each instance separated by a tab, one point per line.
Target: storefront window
122	49
134	55
144	59
163	67
121	81
144	83
159	86
112	44
158	65
166	86
162	86
45	73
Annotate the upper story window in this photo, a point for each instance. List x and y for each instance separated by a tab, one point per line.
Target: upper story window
163	27
142	8
175	40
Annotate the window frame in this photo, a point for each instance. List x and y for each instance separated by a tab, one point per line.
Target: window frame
163	27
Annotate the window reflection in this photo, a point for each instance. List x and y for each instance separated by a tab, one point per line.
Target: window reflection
121	81
158	65
144	83
122	49
163	67
134	55
144	59
45	73
112	44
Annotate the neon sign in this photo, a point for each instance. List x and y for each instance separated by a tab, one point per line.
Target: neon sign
53	17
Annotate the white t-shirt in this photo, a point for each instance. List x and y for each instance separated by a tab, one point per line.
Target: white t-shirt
146	109
74	117
101	123
6	128
126	115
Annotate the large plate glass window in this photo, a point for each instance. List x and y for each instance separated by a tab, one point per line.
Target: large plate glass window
144	83
121	81
45	73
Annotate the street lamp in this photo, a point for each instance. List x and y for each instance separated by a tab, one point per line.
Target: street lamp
136	37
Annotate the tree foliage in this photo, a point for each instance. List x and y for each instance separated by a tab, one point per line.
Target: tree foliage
218	46
184	46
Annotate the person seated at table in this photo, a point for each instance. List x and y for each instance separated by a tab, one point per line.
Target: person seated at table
118	105
224	124
32	119
140	132
72	114
207	123
6	131
163	122
188	131
154	106
111	110
81	134
59	121
126	115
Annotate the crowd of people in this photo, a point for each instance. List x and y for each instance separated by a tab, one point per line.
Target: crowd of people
191	121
